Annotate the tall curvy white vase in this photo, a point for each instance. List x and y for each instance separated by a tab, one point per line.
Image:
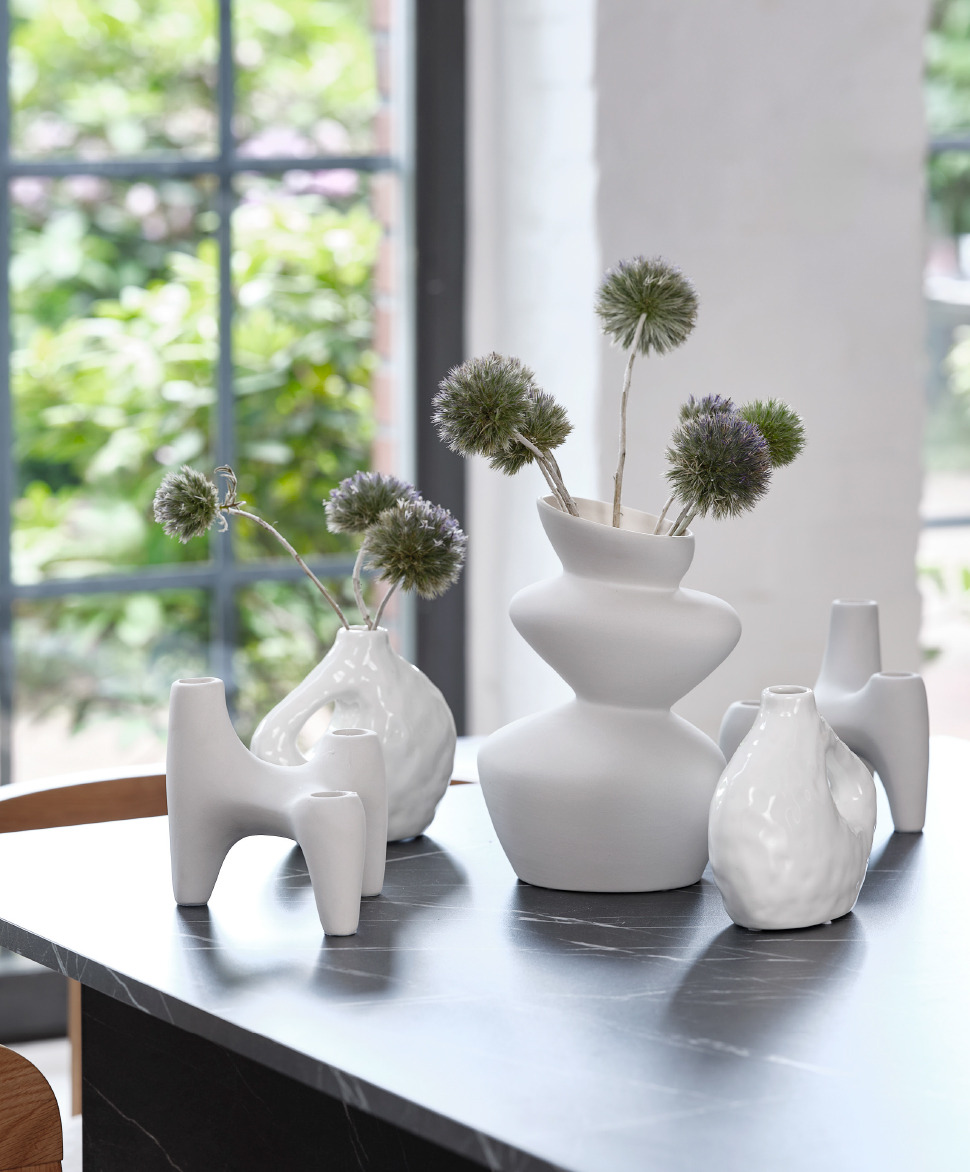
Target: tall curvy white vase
881	715
792	819
372	687
334	805
611	791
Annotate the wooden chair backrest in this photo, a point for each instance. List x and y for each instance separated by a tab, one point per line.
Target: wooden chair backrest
30	1122
79	798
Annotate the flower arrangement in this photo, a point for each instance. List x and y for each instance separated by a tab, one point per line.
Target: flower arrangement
720	456
411	543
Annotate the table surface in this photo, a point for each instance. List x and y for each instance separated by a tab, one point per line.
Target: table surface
532	1029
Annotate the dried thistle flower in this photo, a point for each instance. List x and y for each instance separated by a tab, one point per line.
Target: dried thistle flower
356	503
719	464
186	504
708	405
418	546
654	290
482	403
781	426
546	425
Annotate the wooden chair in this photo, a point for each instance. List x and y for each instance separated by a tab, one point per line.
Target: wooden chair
30	1123
72	800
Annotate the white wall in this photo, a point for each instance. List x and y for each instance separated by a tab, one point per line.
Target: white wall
773	149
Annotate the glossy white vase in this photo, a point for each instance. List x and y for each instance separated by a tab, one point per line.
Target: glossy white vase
792	819
882	716
372	687
334	806
610	792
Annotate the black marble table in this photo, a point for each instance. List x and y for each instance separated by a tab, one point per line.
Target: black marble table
478	1022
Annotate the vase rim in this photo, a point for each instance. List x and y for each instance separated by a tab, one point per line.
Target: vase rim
360	629
650	519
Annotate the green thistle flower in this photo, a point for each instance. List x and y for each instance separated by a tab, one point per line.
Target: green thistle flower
652	289
546	425
781	426
481	403
356	503
186	504
719	464
709	405
418	545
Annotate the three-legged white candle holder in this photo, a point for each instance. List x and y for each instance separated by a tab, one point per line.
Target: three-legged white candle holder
334	805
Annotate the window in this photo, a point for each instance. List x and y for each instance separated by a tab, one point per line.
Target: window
204	214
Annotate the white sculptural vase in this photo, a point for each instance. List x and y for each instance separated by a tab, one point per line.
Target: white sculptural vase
334	806
610	792
372	687
882	716
792	819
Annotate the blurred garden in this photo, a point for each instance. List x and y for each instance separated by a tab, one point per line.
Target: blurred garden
115	338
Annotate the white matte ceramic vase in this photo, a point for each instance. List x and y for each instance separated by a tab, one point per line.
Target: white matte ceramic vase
334	806
372	687
611	791
792	819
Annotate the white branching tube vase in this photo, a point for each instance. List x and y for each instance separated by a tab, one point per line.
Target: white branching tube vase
610	792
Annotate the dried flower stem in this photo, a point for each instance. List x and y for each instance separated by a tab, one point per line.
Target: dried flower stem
679	527
664	512
292	552
384	602
358	593
621	457
551	471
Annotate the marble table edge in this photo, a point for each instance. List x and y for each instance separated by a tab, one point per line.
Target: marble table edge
492	1153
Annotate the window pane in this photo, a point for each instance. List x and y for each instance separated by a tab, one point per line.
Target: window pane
114	290
93	676
303	267
285	629
103	78
306	80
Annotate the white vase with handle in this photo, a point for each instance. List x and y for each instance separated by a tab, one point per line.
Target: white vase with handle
610	792
371	686
792	819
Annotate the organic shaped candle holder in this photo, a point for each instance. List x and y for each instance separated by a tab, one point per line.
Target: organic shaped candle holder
881	715
219	793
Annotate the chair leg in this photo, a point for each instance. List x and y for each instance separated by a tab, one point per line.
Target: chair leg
74	1037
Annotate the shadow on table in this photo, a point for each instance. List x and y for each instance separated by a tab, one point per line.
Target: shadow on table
351	965
893	874
615	926
757	994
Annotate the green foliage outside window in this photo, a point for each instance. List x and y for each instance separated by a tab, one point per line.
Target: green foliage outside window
115	329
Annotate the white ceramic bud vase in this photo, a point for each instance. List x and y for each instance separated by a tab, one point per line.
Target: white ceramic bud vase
372	687
792	819
611	791
334	806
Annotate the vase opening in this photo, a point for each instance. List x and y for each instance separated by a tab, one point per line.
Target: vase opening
349	732
750	703
334	793
854	602
897	675
786	690
200	680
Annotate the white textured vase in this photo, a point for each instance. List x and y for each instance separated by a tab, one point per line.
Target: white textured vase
334	806
372	687
792	819
610	792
